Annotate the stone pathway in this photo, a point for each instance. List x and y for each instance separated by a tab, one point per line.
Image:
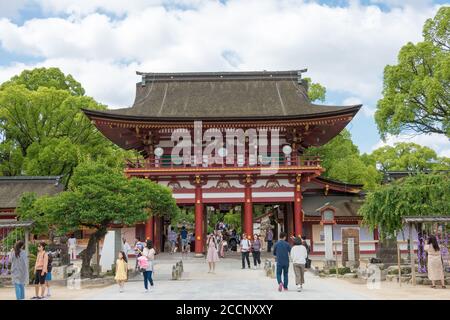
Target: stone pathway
229	282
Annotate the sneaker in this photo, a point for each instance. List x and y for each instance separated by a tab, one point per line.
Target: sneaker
299	288
146	290
34	298
285	289
280	287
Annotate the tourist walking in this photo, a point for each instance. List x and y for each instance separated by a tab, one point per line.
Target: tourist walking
172	237
121	270
281	252
212	256
299	255
40	270
48	277
148	253
256	251
72	243
19	269
184	239
245	250
435	267
269	239
138	248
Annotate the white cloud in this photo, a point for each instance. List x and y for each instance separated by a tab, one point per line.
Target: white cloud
437	142
366	110
345	48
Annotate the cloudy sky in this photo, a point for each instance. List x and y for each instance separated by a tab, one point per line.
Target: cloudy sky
345	44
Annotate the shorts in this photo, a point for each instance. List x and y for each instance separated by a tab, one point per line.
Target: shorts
184	242
38	278
48	277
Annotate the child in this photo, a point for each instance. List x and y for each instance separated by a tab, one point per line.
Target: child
121	270
48	277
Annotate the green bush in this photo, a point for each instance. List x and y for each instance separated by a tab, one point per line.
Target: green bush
341	271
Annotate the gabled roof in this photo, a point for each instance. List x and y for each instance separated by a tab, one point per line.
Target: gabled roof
12	188
223	96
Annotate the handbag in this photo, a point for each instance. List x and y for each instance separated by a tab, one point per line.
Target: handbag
308	263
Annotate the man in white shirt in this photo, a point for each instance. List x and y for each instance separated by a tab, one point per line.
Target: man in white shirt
72	243
245	250
298	256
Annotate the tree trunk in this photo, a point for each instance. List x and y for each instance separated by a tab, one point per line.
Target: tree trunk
86	255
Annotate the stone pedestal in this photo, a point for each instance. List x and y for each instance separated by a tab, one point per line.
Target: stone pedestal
59	273
328	233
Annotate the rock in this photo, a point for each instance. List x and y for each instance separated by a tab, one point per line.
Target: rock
350	275
59	273
405	278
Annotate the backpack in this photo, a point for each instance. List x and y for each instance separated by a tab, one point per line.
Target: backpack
143	263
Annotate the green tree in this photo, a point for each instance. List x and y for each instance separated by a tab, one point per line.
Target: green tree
316	92
42	127
98	197
418	195
409	157
416	91
342	161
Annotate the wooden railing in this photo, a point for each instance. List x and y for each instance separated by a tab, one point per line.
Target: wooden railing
210	162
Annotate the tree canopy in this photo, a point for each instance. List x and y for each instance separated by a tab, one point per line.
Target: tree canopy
42	128
408	157
417	195
98	196
416	91
342	161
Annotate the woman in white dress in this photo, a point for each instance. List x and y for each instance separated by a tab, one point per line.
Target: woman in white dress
435	267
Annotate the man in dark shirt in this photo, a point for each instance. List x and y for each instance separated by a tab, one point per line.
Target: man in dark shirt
183	235
281	252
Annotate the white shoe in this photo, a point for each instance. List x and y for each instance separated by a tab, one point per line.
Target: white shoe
146	291
299	288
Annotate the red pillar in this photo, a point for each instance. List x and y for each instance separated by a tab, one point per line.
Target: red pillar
298	218
198	217
248	209
149	227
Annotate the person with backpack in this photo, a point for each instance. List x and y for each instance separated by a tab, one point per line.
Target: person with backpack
121	270
304	243
256	251
19	269
299	256
138	248
40	269
245	250
48	277
281	252
146	264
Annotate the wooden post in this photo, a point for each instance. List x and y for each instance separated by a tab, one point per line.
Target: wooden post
336	252
398	263
411	251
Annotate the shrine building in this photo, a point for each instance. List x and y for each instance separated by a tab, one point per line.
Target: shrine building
271	109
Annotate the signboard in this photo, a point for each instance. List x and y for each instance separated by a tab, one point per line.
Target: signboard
350	246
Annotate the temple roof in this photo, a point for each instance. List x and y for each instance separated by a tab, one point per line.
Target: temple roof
223	96
346	206
12	188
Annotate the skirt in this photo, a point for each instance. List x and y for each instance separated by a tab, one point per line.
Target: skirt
212	255
435	268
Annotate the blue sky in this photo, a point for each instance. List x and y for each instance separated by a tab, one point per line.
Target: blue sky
344	44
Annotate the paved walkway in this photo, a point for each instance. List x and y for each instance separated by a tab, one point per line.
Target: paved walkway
228	282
